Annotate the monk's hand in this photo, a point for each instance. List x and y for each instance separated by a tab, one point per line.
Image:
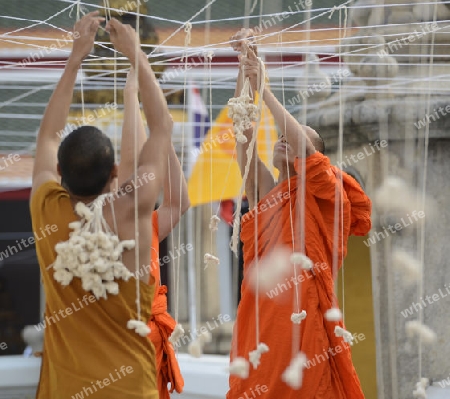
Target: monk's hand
252	68
241	38
131	86
84	32
124	38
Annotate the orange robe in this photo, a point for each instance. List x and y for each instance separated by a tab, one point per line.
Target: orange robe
162	325
329	374
88	349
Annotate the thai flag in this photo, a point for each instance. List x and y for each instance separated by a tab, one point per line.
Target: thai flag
198	116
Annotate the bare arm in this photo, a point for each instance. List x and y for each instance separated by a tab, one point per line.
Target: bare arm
170	209
255	188
176	202
290	128
132	129
152	162
57	111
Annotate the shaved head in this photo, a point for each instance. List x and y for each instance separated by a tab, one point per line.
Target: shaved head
316	139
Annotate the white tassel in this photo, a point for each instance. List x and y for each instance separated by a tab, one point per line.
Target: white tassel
297	258
274	268
416	328
210	260
333	314
346	335
139	327
297	318
409	266
195	348
214	223
255	356
293	375
243	112
177	333
91	254
240	367
421	386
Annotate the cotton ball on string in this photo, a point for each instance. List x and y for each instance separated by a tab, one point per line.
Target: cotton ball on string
211	260
214	223
274	268
139	327
396	197
297	318
240	367
243	112
297	258
293	375
177	333
346	335
407	264
333	314
416	328
195	348
255	356
421	386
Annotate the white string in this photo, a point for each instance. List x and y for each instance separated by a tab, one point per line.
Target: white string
424	188
136	156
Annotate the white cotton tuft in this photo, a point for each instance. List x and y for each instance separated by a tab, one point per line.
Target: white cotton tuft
255	356
205	337
421	386
83	211
346	335
128	244
195	348
210	260
63	276
240	367
243	112
273	269
177	333
409	266
416	328
75	226
293	375
112	287
214	223
333	314
297	318
139	327
297	258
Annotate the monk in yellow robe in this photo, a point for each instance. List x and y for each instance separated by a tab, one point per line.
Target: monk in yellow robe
306	180
88	346
164	219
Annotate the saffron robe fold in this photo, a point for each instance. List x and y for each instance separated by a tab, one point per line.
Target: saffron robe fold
162	326
86	341
329	373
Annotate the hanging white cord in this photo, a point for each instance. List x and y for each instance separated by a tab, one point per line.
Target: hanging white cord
424	186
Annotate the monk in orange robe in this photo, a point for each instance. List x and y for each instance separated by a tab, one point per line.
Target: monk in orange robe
328	372
89	348
164	219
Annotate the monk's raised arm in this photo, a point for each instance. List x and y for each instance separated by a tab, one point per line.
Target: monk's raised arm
255	188
152	164
176	200
132	128
54	120
294	133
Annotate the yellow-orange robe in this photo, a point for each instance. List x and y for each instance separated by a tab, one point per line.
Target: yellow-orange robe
162	325
329	375
88	349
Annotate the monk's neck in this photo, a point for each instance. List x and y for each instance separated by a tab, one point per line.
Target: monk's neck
286	173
